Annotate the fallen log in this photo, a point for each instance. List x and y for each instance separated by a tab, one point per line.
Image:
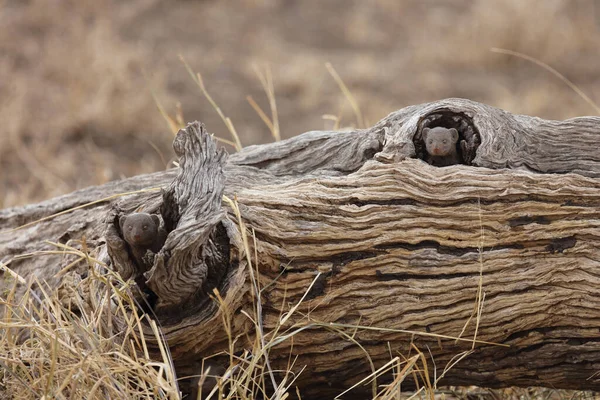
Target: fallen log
363	250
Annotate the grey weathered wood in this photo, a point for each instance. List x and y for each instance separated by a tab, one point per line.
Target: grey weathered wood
396	242
191	210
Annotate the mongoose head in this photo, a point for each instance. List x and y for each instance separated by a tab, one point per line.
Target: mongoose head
139	229
440	141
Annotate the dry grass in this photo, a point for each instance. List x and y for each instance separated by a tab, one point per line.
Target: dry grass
72	103
80	342
77	108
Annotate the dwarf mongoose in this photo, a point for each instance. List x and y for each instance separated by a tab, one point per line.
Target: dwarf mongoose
143	233
441	146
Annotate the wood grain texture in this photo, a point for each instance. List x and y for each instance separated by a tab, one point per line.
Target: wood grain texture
192	209
399	245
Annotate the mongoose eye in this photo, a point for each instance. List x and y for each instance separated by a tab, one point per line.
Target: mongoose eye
431	142
130	227
145	227
445	141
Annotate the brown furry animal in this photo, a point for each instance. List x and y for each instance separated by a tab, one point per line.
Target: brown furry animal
441	146
143	233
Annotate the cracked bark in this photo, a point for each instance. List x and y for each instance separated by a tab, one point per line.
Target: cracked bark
396	242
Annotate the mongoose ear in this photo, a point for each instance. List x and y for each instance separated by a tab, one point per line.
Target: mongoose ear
122	221
454	133
424	133
155	219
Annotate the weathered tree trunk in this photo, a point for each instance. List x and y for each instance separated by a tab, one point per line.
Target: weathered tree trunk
388	242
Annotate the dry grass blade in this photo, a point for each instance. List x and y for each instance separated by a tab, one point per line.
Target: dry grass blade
177	122
480	296
266	80
353	103
383	369
173	123
260	113
4	268
425	372
453	361
43	173
351	338
392	390
198	79
258	320
409	332
335	118
554	72
160	154
288	314
229	142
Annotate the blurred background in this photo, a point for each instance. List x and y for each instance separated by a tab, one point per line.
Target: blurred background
79	79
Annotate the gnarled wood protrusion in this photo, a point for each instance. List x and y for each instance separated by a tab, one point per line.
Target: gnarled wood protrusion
189	264
192	209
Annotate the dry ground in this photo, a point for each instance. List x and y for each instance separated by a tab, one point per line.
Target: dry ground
76	75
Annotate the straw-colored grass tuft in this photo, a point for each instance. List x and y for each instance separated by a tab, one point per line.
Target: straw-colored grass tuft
80	341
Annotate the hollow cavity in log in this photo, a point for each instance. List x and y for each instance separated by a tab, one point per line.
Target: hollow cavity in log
468	136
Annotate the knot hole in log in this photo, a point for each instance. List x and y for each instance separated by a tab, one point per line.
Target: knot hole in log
468	141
